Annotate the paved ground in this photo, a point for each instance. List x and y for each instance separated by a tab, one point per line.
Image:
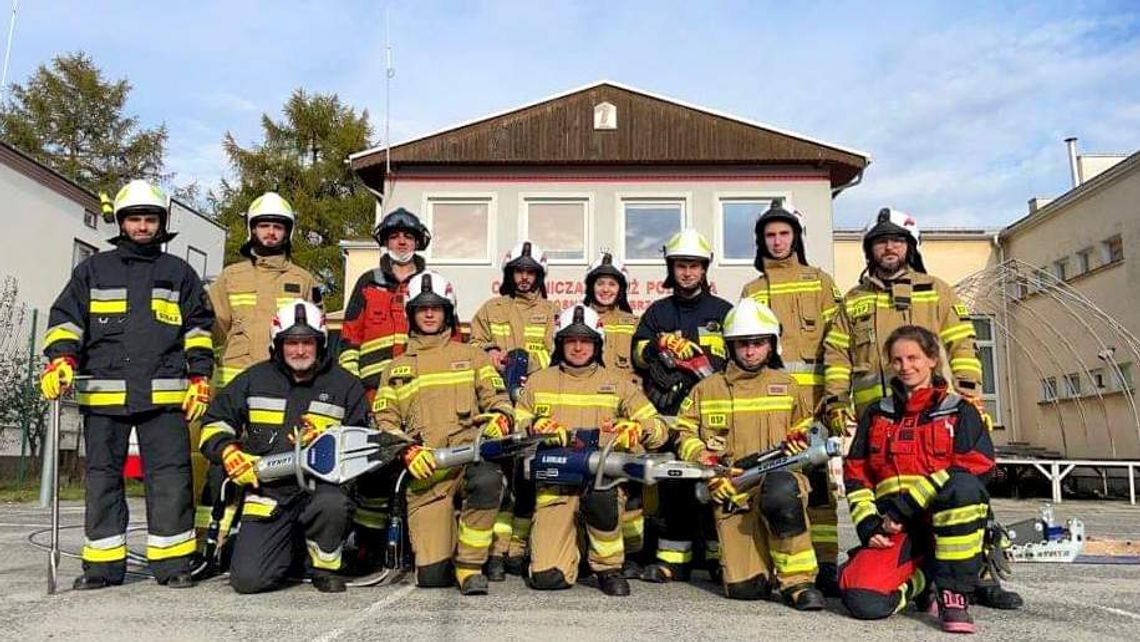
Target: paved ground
1065	602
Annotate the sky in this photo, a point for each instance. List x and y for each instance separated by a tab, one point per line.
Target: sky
962	106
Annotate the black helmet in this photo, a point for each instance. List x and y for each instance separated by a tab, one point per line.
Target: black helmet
892	222
402	220
524	255
780	210
430	288
606	265
578	321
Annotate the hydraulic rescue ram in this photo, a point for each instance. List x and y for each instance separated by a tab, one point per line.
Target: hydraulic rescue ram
337	455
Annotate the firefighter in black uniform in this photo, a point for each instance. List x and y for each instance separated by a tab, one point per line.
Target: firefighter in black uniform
671	339
297	394
134	323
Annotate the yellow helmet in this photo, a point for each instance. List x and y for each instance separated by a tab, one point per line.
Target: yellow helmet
688	244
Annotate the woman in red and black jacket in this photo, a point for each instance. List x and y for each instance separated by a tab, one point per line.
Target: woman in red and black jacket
915	478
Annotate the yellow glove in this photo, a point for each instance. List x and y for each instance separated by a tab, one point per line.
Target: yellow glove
838	417
796	442
723	492
627	434
310	428
678	346
980	404
197	398
240	466
496	425
57	377
558	435
419	461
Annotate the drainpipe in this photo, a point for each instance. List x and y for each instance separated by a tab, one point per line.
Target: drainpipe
1074	170
836	191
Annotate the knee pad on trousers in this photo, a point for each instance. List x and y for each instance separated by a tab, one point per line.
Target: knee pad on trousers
438	575
781	505
820	487
962	489
756	588
601	509
484	486
333	508
865	604
551	579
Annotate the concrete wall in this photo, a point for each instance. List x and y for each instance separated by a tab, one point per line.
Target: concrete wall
701	191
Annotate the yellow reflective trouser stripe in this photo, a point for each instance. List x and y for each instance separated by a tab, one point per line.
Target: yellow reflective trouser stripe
958	547
674	551
202	517
862	510
790	563
321	559
825	533
503	523
712	550
963	515
107	549
547	496
956	332
808	378
475	537
520	527
368	518
607	547
258	506
633	528
161	548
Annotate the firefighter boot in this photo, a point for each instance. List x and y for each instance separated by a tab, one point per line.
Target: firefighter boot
805	597
612	583
496	569
996	597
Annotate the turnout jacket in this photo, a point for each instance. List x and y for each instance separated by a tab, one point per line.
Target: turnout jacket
856	370
245	299
739	413
806	301
520	321
138	323
375	326
263	404
436	389
617	350
588	397
905	449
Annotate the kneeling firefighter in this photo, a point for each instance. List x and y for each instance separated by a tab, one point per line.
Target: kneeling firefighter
441	393
751	407
297	394
579	392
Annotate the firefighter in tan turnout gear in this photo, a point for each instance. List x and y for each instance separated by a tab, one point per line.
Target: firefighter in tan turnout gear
441	393
578	392
248	293
520	320
805	300
607	293
751	407
134	324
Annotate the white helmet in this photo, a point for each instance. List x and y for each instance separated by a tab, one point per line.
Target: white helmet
750	318
892	222
430	288
298	318
143	195
688	244
272	206
580	320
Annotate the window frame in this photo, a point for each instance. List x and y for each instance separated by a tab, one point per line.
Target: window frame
995	367
585	198
76	245
1084	261
1071	385
1049	389
718	201
685	199
1061	269
490	199
1122	376
1106	249
90	219
205	259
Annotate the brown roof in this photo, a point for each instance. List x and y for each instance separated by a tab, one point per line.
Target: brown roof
651	130
48	177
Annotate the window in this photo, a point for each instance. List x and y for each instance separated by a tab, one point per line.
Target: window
1123	379
1072	385
460	229
1099	380
1084	260
1061	269
738	228
1049	389
987	354
197	260
558	226
1113	249
90	219
80	252
648	226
